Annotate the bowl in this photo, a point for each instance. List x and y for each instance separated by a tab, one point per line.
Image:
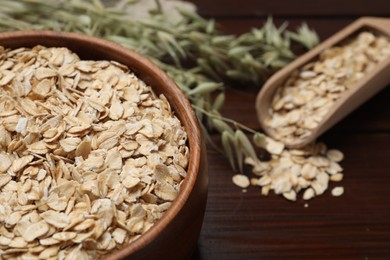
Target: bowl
175	235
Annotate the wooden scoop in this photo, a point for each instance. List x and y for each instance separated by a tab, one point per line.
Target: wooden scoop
371	83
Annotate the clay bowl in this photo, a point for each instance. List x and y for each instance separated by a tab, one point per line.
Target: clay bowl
175	235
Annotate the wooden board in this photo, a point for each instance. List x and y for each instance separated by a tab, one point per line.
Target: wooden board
356	225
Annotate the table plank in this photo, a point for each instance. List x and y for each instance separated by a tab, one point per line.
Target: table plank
247	225
357	225
292	7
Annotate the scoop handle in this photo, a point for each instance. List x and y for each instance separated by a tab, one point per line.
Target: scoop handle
374	81
381	24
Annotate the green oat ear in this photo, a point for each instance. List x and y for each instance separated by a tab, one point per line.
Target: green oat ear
221	126
305	36
218	101
245	144
259	140
227	144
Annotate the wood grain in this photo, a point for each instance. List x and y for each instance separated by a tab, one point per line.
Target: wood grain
356	225
292	7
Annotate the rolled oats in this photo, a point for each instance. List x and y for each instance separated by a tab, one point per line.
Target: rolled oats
336	177
335	155
308	194
290	195
287	175
90	157
305	98
241	180
338	191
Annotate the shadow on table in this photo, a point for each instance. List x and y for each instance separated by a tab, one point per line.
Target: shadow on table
197	255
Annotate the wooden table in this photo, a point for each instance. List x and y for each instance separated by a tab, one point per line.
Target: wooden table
356	225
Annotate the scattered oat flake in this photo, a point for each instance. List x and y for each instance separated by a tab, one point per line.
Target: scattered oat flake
285	173
335	155
308	194
290	195
274	147
241	180
336	177
337	191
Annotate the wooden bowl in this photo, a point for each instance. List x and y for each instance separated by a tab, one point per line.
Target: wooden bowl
175	235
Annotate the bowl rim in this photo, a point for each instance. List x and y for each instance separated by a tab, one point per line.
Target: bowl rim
183	106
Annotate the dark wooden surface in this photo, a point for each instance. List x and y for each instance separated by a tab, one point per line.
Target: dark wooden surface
356	225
